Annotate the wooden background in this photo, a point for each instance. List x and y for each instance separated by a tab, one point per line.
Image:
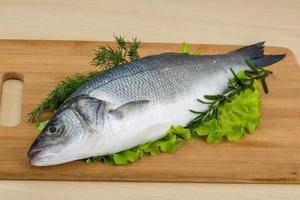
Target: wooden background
261	158
230	22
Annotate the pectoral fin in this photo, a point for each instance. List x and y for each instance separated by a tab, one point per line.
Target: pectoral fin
129	108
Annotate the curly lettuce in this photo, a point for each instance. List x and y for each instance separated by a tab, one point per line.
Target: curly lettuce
240	116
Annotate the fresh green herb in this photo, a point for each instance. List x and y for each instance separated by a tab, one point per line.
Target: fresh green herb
234	116
105	57
60	93
186	49
236	85
125	52
197	53
41	125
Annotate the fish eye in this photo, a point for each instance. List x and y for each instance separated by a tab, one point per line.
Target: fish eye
52	129
55	129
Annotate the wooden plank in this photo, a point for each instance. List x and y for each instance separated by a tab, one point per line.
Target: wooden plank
272	154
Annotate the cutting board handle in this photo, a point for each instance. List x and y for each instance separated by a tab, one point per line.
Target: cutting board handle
11	98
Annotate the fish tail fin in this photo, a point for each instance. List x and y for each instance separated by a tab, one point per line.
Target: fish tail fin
255	54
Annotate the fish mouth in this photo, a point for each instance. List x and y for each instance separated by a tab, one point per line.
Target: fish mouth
34	156
37	157
33	153
42	157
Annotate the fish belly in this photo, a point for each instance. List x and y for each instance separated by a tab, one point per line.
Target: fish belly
152	123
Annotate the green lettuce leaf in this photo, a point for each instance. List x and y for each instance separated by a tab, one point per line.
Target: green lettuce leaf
242	113
174	138
41	125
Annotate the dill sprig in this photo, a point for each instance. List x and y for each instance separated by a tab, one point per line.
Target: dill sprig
125	52
236	85
59	94
105	58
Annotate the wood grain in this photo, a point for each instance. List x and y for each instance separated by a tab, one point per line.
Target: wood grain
271	155
198	21
49	190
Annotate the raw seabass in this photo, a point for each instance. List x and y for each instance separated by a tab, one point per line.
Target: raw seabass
137	102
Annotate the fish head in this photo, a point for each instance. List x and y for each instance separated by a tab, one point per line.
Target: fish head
68	133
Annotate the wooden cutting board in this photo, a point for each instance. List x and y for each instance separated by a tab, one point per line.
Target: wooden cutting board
271	155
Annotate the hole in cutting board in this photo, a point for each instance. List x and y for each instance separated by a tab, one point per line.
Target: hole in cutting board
11	99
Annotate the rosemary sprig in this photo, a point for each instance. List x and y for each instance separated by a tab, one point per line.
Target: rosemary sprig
236	85
105	58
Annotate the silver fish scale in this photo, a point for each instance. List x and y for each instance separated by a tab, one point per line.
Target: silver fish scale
159	77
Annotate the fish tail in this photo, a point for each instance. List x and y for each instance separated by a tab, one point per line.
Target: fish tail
255	54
